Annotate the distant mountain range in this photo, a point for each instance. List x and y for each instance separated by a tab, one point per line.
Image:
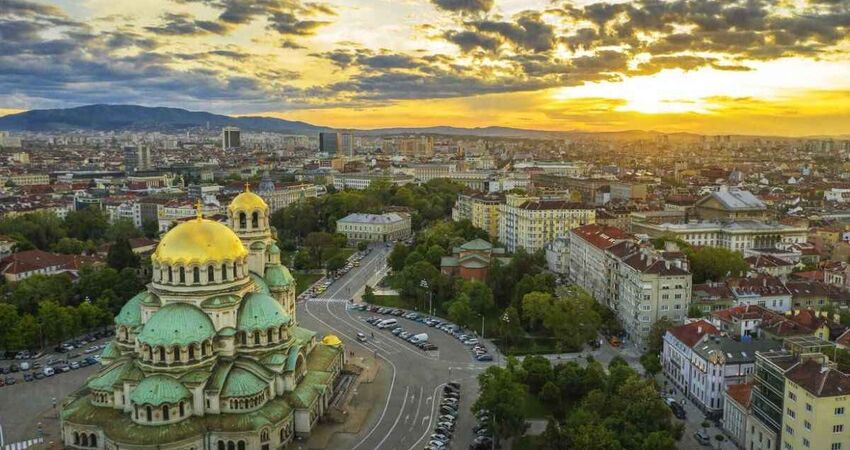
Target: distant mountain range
143	118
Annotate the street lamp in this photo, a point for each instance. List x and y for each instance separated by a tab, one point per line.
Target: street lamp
424	284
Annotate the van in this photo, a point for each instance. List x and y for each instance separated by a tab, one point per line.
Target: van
49	372
421	337
387	323
25	366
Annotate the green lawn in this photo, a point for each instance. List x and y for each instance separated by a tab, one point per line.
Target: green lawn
304	280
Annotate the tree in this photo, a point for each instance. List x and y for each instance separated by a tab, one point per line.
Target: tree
538	371
87	224
551	395
715	263
150	228
92	316
398	256
503	396
655	339
368	294
511	327
122	229
362	246
28	332
541	282
535	307
460	312
573	319
435	254
57	322
27	293
651	363
121	255
9	320
71	246
695	311
480	297
336	262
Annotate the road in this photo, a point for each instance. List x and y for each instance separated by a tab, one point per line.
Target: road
413	380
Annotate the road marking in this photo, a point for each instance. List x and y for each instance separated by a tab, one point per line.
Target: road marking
418	405
428	417
390	431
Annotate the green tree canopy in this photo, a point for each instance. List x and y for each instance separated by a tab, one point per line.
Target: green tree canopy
715	263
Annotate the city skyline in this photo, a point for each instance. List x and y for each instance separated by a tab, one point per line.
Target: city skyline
750	67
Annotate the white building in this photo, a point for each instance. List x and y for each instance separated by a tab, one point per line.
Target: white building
530	222
677	349
737	236
588	261
362	181
374	227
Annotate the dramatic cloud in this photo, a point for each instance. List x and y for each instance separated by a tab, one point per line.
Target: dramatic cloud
464	5
183	24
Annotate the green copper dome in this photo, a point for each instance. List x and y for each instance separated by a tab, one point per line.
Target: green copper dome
241	383
278	276
260	311
159	389
131	312
274	249
259	282
177	324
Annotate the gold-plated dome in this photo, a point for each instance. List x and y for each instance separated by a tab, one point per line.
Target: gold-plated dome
248	201
199	241
331	340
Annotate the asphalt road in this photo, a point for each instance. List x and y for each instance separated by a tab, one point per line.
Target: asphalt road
412	379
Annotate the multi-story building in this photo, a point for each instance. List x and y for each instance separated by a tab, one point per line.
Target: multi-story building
374	227
737	236
137	158
677	348
530	222
480	209
362	181
763	290
736	412
422	146
588	261
28	179
231	138
717	362
558	255
283	195
730	204
817	407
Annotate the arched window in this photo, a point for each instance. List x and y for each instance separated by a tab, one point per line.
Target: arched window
85	440
242	221
264	435
231	445
242	338
182	409
191	352
196	275
257	337
93	440
235	273
162	354
241	445
176	353
150	353
220	445
76	438
165	412
170	274
255	220
210	274
182	275
149	412
224	271
269	339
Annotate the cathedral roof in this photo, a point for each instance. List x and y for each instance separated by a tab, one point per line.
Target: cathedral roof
248	201
278	275
177	324
131	312
199	241
242	383
260	311
159	389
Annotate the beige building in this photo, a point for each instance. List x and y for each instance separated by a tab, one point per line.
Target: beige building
737	236
374	227
532	222
480	209
731	204
28	179
281	196
817	407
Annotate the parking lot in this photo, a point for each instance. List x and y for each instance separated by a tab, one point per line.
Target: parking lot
27	396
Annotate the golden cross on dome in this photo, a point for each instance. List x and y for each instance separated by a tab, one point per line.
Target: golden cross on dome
199	209
247	186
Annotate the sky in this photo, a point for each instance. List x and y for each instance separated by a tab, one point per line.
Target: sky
768	67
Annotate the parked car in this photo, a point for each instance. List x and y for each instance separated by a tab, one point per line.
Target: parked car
702	438
361	337
28	377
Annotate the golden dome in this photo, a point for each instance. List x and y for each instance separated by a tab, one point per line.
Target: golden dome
199	241
331	340
248	201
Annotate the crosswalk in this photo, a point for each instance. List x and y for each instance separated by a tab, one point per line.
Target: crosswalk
23	444
330	300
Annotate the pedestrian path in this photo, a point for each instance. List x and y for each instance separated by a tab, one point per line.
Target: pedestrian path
23	444
330	300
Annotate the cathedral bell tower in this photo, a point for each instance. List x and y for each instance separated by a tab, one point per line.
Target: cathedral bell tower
248	215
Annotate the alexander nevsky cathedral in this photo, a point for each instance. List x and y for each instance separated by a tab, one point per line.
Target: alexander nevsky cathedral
210	356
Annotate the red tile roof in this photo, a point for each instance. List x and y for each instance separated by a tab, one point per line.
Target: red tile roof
689	334
600	236
741	393
30	260
819	380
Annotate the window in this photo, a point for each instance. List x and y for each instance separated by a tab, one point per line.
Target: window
255	220
836	446
839	411
792	396
807	425
791	413
210	274
243	220
182	275
224	271
806	443
837	428
809	407
789	430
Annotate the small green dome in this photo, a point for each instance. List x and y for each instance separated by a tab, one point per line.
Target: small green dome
260	311
177	324
110	351
274	249
241	383
159	389
258	246
260	283
278	276
131	312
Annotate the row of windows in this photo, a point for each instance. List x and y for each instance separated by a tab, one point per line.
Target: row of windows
170	274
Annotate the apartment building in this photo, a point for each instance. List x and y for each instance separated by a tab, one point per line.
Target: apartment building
817	407
279	196
590	266
677	349
531	222
480	209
